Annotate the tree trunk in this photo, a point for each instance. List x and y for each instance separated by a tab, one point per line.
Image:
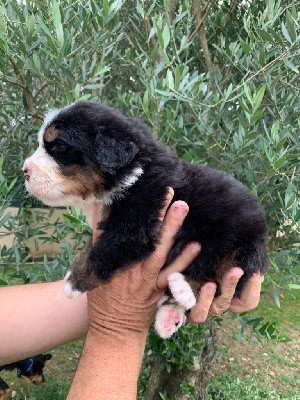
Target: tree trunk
188	383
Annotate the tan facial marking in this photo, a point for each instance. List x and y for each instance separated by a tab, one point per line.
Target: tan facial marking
36	379
83	183
51	133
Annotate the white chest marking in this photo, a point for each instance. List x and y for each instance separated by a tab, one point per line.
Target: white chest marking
118	191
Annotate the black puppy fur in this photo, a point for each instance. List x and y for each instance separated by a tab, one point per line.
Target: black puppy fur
224	216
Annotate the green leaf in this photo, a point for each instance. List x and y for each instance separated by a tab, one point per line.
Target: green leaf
170	79
159	35
289	196
115	6
30	22
105	5
276	37
228	91
285	33
280	162
274	130
57	22
264	35
36	60
166	36
177	77
258	97
290	27
246	49
294	286
276	296
247	93
291	66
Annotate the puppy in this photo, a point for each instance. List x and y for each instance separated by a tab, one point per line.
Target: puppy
90	152
31	368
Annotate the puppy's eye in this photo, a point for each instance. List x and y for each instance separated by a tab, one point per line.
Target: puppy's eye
56	146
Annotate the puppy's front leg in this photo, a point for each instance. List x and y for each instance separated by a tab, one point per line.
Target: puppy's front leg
81	277
129	233
114	251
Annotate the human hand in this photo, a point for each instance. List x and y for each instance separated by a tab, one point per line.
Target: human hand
128	301
207	306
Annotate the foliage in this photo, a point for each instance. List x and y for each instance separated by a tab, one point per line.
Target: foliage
233	104
178	351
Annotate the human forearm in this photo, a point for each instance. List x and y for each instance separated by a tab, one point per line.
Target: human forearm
38	317
109	366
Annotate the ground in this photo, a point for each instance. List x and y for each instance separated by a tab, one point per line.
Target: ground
270	364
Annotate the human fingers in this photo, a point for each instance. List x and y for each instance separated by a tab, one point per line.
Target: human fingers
199	312
250	296
171	225
179	264
163	211
228	286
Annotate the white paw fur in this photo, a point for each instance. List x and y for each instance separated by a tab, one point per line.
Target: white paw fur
169	318
68	288
181	290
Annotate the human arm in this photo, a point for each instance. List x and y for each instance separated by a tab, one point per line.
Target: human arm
38	317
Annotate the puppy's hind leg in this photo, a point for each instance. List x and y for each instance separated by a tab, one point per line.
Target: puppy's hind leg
181	290
169	317
171	314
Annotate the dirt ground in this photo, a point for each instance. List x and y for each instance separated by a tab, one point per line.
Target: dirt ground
275	363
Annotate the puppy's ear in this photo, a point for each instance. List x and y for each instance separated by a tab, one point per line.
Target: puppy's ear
113	152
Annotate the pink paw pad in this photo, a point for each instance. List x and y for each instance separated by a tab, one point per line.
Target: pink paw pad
169	319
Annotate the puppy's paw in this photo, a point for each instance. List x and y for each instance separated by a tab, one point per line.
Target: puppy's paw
181	290
69	287
169	318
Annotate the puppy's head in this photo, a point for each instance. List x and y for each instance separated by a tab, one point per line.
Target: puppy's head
85	150
32	368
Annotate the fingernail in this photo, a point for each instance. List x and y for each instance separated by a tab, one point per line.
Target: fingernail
209	288
195	248
170	193
181	209
235	273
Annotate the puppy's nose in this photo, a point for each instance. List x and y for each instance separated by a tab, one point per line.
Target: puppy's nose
27	173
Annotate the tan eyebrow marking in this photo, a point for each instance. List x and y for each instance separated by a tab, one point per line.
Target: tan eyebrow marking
51	134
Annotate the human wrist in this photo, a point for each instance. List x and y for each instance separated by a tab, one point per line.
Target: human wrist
112	312
112	360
